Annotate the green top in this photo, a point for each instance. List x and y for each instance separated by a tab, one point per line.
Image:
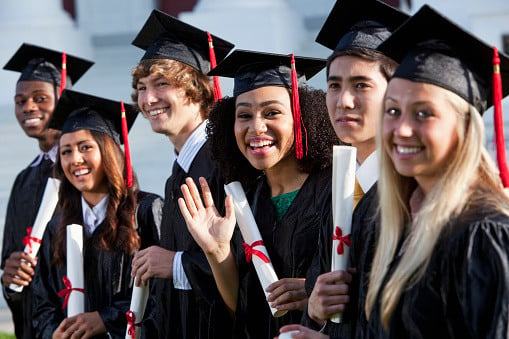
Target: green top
282	202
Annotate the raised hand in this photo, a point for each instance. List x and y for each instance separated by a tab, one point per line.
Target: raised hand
209	229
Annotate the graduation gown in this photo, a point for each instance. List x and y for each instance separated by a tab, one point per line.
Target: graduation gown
200	312
464	292
365	226
290	243
108	282
22	208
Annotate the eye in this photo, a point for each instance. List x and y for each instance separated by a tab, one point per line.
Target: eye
361	85
64	151
243	115
423	114
333	85
392	112
19	102
39	99
272	113
85	147
140	88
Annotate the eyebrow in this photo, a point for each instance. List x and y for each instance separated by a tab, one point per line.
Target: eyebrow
352	79
79	143
263	104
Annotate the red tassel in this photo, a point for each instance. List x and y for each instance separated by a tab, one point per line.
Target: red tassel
129	180
63	75
297	117
218	94
499	121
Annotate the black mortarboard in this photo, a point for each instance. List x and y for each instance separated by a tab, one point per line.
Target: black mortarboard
79	111
41	64
165	37
434	50
359	24
252	70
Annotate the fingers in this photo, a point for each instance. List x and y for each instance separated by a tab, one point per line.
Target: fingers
335	277
207	195
31	261
189	199
288	294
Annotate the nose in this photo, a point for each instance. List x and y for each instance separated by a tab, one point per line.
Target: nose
259	125
148	96
76	158
346	99
29	106
403	127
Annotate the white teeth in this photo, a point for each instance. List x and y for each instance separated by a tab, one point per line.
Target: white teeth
32	121
260	143
408	150
81	172
156	111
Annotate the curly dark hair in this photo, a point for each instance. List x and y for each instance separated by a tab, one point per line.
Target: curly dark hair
235	167
197	86
122	234
387	65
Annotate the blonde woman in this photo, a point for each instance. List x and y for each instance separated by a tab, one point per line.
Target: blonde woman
441	266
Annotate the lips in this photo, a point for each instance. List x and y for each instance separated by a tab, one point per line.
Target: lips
81	172
260	143
156	112
30	122
408	150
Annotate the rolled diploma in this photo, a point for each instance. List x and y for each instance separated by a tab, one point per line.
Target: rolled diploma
250	233
343	183
48	204
76	304
138	303
287	335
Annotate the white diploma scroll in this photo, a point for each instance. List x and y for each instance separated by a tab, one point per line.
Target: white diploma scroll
136	311
287	335
76	302
252	237
33	239
343	183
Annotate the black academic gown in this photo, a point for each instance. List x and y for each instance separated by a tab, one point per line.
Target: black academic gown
24	201
108	282
465	290
290	243
200	312
365	226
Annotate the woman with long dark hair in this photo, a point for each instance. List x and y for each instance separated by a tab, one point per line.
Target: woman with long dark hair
94	193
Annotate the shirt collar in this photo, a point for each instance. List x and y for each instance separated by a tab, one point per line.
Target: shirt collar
367	173
93	217
192	146
51	154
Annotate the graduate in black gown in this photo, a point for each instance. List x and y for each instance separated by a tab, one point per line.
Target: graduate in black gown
441	266
357	77
175	95
98	192
37	91
287	182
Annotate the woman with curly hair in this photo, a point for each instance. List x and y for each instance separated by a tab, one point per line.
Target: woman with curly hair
93	193
283	161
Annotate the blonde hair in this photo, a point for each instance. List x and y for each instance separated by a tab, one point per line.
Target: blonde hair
470	177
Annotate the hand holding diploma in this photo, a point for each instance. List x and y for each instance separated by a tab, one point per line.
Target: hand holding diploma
32	240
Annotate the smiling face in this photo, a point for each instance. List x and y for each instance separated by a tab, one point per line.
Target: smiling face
168	109
420	130
355	92
81	161
264	127
34	105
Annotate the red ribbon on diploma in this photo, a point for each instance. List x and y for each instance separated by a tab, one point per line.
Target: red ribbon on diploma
66	292
342	239
250	251
27	240
131	323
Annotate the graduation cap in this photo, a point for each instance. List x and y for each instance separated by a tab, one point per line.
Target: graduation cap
359	24
251	70
37	63
445	55
79	111
165	37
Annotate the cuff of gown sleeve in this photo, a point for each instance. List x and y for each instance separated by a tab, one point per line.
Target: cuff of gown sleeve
180	280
